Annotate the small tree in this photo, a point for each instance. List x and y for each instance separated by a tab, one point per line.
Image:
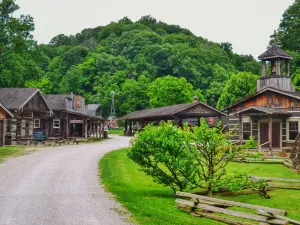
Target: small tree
212	151
162	154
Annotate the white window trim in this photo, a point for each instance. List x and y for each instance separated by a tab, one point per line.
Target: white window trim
34	123
56	120
288	128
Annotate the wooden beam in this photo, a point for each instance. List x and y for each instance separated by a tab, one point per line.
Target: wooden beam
232	213
270	215
240	127
276	179
240	204
270	134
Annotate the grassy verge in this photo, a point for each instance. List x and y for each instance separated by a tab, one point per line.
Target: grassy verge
11	151
116	131
152	204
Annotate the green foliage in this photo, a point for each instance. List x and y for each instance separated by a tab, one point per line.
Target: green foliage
288	32
238	87
170	91
160	151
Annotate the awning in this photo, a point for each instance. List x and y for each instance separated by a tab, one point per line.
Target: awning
264	110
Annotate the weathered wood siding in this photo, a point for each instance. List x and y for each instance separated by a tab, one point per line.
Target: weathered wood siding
269	99
36	103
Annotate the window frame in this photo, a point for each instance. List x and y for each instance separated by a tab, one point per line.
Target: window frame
56	120
250	123
288	129
34	125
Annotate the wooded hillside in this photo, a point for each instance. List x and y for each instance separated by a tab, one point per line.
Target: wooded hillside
134	59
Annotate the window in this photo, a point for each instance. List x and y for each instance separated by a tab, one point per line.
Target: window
246	131
293	130
56	123
37	123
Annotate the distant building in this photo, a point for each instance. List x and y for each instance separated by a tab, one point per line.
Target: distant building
182	113
272	114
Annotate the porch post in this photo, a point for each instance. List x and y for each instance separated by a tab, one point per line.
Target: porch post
240	128
270	133
86	128
130	127
126	124
94	130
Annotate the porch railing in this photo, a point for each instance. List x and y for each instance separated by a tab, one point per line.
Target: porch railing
260	146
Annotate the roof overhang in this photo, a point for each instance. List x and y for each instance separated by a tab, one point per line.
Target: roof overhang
6	110
263	110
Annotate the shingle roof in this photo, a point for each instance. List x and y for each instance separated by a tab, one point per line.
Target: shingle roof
92	109
15	98
274	52
57	101
163	111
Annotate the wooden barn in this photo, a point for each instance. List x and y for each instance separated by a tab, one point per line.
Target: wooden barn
70	117
182	113
30	111
272	114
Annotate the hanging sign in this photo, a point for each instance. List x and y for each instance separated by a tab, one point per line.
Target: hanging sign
76	121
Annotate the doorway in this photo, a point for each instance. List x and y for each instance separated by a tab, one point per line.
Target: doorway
264	134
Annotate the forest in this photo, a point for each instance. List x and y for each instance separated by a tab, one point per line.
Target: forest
148	63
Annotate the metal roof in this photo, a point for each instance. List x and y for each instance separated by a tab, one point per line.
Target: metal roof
6	110
274	52
266	110
167	111
16	98
57	101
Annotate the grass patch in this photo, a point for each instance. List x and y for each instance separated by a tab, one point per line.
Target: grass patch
11	151
116	131
152	204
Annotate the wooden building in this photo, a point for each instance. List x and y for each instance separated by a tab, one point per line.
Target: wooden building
70	117
182	113
29	110
4	115
271	115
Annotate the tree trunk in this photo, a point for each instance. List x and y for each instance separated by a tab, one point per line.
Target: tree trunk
209	189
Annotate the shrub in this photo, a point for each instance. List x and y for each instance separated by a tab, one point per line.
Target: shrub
161	152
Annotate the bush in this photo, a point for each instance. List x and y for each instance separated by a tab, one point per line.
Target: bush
161	152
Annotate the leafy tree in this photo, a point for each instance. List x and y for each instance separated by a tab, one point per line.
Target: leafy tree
170	91
237	87
288	32
160	152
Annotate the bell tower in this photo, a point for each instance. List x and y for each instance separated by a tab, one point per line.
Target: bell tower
275	75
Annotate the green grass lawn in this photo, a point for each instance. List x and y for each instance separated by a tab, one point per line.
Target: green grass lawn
11	151
116	131
152	204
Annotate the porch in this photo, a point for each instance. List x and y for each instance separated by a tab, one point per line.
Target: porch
268	127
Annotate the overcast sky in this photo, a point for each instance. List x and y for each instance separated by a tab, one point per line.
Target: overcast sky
247	24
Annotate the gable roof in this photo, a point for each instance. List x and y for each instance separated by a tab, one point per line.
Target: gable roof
274	52
16	98
58	101
6	110
164	111
287	93
266	110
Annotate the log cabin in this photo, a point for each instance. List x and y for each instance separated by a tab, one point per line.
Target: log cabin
30	111
182	113
71	118
271	115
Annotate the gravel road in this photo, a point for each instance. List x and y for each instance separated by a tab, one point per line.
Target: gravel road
58	186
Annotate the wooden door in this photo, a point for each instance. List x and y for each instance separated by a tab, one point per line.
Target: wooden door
264	133
276	135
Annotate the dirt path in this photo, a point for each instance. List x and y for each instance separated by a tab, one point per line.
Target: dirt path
58	186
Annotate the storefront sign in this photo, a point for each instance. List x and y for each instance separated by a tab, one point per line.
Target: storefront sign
76	121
